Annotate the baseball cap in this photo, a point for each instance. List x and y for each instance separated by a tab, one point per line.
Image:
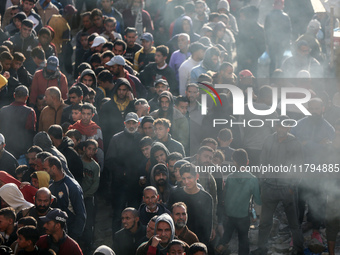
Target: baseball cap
52	63
70	9
245	73
2	139
161	81
116	60
3	81
147	119
131	116
98	41
147	36
56	215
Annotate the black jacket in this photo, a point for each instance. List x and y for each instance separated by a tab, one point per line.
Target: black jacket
126	243
8	163
145	217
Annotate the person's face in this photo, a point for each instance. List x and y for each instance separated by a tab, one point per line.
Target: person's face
22	242
131	126
179	215
182	42
215	59
75	141
199	8
49	170
161	132
164	232
106	4
13	12
27	6
150	199
148	129
6	64
83	41
192	94
50	227
128	220
86	22
99	49
98	21
159	58
160	156
4	223
91	99
19	177
122	92
228	72
118	50
38	165
282	131
130	39
109	26
171	166
86	116
177	174
35	182
76	115
146	151
137	3
87	80
17	23
104	61
41	103
176	249
186	26
25	31
90	151
200	54
160	88
42	202
16	64
74	99
217	161
165	104
48	98
115	69
304	51
150	229
160	178
183	107
44	39
189	181
205	158
146	45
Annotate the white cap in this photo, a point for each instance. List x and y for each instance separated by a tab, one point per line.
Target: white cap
98	41
116	60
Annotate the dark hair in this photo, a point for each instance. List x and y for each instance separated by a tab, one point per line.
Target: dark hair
130	30
108	45
204	148
178	10
88	106
4	48
196	247
145	141
225	65
107	53
187	168
181	98
213	16
176	242
121	43
8	213
208	140
19	56
38	52
28	221
21	91
54	161
219	154
204	77
55	131
6	56
240	156
21	169
44	31
30	233
85	14
77	107
83	66
105	76
164	50
174	156
225	134
162	121
95	58
8	44
96	12
43	155
74	133
76	90
91	142
35	149
189	7
110	19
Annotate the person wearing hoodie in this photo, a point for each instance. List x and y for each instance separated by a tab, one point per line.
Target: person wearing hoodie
127	240
124	160
179	123
65	146
88	77
48	77
15	25
12	196
113	112
159	178
211	62
40	179
43	140
104	250
150	206
163	235
158	154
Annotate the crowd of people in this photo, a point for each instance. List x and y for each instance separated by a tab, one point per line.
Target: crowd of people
102	100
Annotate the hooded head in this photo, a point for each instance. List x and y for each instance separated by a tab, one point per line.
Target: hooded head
88	77
103	249
211	59
43	140
165	229
11	194
121	82
165	105
43	178
159	175
186	25
157	146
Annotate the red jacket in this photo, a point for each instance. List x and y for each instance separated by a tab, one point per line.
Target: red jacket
40	84
66	246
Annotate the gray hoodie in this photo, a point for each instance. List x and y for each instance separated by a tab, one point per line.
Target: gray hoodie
43	140
103	249
166	218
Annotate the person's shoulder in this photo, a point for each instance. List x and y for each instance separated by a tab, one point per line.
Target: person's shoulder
204	194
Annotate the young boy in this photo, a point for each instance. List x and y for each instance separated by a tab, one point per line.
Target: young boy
90	130
76	112
110	27
27	238
45	38
90	185
75	135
